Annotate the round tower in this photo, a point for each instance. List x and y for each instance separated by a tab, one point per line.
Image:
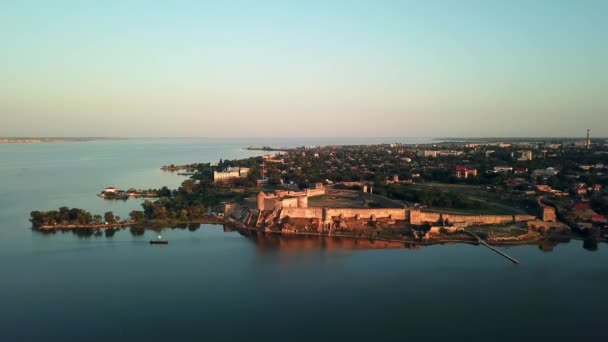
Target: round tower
261	197
302	201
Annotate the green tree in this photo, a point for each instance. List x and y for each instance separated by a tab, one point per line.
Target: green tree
109	217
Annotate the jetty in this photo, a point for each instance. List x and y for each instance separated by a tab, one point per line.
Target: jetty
492	248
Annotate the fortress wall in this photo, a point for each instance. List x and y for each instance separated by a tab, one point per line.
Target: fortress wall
478	219
309	213
292	208
289	202
271	203
281	193
315	192
521	218
419	217
365	214
425	217
395	214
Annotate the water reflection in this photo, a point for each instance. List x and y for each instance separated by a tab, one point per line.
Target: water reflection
137	231
272	242
194	227
548	245
590	244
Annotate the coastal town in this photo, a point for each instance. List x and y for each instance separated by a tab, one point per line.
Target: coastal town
502	192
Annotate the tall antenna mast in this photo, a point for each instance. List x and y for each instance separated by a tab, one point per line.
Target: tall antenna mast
588	140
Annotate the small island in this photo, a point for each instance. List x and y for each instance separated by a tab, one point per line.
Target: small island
500	193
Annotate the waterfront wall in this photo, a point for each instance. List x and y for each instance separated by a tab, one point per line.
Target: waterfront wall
326	214
418	217
415	216
366	214
308	213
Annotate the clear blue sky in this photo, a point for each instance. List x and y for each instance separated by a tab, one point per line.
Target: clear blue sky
303	68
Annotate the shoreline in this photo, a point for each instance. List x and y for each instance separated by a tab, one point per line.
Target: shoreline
220	221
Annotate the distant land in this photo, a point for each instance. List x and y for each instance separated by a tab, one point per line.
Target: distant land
32	140
514	139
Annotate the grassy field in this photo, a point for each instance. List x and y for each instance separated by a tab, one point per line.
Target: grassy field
354	201
492	202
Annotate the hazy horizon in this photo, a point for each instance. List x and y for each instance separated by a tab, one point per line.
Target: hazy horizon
307	69
582	137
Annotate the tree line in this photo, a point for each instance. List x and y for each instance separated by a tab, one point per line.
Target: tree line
70	216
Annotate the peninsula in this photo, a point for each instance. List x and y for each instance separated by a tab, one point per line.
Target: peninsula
507	192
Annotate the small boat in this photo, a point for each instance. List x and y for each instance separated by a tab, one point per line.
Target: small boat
159	241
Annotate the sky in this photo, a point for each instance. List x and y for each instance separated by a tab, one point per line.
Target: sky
314	68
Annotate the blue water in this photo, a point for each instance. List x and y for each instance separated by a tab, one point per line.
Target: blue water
212	285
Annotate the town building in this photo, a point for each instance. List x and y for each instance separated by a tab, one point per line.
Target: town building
544	188
449	153
525	155
261	182
553	146
503	168
520	170
548	213
545	172
583	211
597	218
465	171
268	158
426	153
580	191
230	173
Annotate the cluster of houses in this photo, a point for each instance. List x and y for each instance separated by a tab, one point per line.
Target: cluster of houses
586	217
230	173
111	192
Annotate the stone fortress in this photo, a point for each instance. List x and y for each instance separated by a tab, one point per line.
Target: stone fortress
284	205
286	199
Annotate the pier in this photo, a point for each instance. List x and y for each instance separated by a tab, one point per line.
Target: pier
492	248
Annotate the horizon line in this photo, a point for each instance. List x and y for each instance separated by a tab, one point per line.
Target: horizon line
305	137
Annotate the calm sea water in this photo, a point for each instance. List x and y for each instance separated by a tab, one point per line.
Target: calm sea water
214	285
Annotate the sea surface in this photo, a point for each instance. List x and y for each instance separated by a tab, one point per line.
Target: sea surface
209	284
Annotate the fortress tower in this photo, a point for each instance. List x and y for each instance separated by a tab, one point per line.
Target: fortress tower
261	197
303	201
415	216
